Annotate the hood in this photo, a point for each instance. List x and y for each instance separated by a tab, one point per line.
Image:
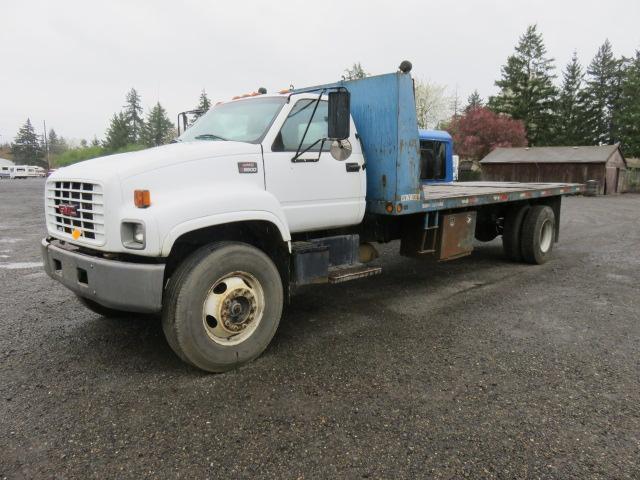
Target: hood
124	165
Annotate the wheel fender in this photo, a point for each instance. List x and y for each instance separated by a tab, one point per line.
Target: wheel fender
222	218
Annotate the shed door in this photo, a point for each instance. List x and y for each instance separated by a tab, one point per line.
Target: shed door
611	181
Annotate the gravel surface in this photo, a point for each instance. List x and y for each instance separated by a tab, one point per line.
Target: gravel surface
476	368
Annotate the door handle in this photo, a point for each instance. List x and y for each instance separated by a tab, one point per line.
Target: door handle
352	167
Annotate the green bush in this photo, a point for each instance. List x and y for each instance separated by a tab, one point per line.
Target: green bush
79	154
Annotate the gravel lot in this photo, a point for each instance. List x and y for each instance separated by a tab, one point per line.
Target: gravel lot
477	368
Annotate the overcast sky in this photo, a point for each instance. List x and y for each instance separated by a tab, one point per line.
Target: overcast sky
71	62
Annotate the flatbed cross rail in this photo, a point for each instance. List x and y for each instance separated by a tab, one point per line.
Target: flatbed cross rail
461	194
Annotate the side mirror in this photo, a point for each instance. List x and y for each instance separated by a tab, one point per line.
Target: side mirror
339	115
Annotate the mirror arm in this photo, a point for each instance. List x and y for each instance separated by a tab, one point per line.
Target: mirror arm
304	135
297	159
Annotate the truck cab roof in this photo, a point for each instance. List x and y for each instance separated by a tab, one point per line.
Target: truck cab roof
439	135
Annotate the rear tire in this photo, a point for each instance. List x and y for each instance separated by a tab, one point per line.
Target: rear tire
538	234
512	232
223	306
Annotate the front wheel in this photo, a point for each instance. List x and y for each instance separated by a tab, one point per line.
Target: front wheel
223	306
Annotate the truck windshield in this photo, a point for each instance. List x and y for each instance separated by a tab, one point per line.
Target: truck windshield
242	121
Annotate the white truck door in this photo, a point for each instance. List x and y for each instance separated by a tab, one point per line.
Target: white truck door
316	191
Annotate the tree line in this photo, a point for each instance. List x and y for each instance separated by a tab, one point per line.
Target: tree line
128	130
599	104
593	106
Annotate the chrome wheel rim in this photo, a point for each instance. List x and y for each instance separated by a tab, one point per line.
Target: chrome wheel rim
233	308
546	236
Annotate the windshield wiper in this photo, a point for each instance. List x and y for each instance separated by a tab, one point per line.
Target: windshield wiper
210	136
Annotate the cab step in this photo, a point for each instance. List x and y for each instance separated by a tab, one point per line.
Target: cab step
352	272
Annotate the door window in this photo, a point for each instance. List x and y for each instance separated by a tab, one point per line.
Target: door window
433	160
292	131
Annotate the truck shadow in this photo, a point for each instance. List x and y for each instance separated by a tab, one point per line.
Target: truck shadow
405	286
136	343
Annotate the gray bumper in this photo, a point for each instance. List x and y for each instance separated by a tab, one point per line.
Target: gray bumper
133	287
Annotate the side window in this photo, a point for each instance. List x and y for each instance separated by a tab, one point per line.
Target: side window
292	130
433	160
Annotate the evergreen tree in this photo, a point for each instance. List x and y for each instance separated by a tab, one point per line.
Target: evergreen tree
158	129
95	142
600	96
133	115
526	88
204	104
474	101
627	116
355	72
26	148
118	133
57	144
569	127
52	140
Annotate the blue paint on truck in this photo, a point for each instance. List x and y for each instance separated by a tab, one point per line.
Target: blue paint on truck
399	157
436	139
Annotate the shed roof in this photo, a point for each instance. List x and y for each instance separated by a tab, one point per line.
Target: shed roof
583	154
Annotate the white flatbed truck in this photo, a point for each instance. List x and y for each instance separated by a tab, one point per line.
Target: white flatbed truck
267	193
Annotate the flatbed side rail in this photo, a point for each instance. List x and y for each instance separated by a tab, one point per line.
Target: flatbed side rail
436	197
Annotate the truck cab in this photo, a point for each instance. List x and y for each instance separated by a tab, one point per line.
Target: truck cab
436	156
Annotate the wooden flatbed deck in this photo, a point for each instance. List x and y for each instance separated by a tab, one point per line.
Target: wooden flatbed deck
463	194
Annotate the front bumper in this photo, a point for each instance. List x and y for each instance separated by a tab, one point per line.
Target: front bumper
128	286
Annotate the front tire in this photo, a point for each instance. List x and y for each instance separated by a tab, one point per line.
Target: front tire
223	306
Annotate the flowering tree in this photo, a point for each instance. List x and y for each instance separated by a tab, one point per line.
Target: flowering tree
479	131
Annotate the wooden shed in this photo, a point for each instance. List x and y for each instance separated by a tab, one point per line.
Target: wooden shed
604	163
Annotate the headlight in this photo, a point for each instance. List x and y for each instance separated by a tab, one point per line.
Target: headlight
133	235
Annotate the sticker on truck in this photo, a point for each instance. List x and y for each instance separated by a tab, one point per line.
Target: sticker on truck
248	167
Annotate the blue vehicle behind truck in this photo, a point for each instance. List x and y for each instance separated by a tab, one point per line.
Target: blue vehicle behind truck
281	191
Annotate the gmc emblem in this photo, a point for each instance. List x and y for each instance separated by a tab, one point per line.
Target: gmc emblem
68	210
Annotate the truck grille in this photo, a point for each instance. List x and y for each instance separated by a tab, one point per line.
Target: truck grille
77	206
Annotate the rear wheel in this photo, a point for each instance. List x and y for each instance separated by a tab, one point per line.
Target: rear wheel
223	306
538	234
512	232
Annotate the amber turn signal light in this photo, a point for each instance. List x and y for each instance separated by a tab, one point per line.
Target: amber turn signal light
142	198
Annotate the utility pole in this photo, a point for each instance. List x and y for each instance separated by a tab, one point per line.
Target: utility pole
456	102
46	144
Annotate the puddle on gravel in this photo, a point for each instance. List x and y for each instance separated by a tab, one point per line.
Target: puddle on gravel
20	265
